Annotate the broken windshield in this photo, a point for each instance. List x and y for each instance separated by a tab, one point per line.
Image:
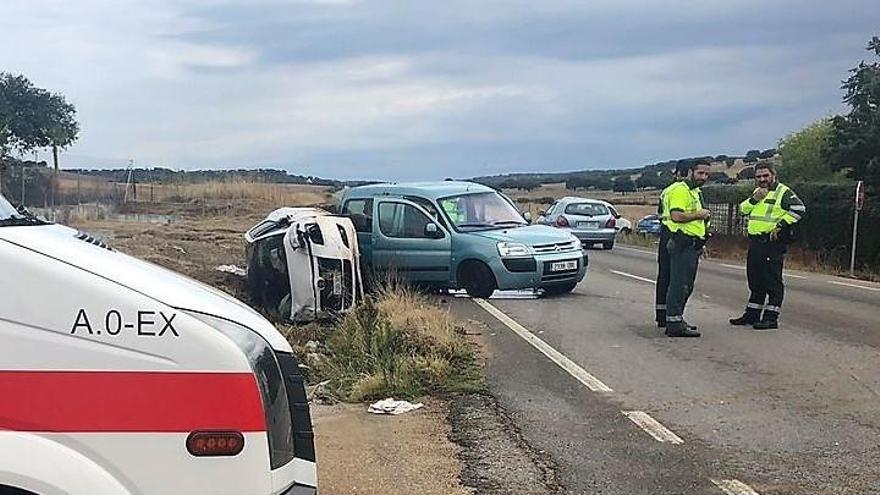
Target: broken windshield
7	210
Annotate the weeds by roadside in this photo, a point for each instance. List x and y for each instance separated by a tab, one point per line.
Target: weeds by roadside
394	344
734	248
635	239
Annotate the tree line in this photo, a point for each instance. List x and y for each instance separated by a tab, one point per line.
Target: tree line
168	176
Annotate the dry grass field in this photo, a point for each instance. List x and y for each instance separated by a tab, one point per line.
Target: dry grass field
75	189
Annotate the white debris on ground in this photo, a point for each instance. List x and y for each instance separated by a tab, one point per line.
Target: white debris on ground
241	272
393	407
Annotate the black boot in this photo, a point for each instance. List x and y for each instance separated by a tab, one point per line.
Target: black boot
771	324
750	317
680	329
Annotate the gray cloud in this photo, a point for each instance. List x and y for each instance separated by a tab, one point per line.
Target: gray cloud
424	89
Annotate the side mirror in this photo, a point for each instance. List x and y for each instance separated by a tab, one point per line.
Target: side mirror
528	216
432	232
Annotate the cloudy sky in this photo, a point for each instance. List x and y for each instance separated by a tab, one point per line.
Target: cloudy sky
420	90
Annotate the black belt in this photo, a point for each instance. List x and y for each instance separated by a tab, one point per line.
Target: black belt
680	236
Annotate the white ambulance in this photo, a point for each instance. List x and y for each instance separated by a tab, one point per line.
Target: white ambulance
120	377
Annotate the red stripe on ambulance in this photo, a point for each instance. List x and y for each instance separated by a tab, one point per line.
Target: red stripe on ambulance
130	401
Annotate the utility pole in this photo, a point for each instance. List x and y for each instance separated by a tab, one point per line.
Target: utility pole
859	204
128	181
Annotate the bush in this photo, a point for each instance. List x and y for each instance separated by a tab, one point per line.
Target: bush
827	226
397	344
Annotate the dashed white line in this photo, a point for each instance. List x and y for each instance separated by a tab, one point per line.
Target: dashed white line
630	275
734	487
876	289
738	267
653	427
580	374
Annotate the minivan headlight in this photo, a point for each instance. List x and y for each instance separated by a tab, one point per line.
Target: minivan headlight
510	249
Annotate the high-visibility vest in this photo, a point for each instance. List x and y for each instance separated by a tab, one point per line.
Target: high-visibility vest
664	202
687	200
767	213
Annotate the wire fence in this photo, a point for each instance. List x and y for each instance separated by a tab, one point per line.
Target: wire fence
726	219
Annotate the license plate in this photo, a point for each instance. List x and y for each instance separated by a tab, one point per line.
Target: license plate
563	266
588	225
337	285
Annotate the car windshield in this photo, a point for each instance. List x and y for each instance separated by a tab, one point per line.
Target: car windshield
7	210
481	211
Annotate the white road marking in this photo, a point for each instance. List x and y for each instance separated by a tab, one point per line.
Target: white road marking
794	276
634	249
876	289
580	374
734	487
653	427
630	275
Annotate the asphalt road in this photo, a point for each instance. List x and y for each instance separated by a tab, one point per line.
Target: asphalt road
793	411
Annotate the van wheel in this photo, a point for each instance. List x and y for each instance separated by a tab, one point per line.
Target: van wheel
477	279
608	245
555	290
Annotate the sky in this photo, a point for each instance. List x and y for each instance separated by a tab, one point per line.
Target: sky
412	90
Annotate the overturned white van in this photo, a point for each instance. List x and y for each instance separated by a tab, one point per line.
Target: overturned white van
304	264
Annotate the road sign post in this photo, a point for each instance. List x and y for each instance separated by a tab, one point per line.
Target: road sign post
859	204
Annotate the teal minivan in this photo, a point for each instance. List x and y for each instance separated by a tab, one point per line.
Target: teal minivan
460	235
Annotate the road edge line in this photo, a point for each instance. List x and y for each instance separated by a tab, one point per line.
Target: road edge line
570	367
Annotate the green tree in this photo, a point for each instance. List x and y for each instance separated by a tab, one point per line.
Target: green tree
805	153
623	184
746	173
855	146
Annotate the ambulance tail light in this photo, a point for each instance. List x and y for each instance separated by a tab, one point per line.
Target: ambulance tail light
215	443
270	381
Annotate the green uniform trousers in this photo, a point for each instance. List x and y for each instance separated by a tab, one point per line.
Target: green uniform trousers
684	257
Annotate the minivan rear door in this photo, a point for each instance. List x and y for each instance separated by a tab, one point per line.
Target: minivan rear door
407	242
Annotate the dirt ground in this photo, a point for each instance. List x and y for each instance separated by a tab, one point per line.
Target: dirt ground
365	454
359	453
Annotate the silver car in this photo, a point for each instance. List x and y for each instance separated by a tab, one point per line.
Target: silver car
589	220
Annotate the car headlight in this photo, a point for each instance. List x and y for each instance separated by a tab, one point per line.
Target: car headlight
510	249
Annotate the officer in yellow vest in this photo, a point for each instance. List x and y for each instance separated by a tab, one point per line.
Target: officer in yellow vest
772	210
662	286
687	227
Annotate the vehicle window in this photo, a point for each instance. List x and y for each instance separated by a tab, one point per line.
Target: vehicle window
315	234
402	220
586	209
614	212
6	209
343	235
552	207
361	213
481	211
428	205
